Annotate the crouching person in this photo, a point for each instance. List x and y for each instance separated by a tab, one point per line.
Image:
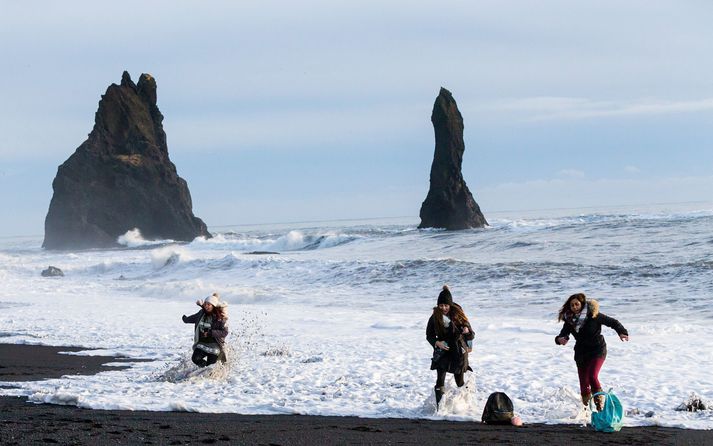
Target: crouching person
210	331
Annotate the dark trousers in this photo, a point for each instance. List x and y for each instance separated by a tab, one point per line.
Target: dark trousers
202	359
441	379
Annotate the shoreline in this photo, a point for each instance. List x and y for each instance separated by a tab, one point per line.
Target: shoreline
22	422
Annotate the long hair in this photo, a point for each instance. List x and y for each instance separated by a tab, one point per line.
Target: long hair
565	308
455	314
221	313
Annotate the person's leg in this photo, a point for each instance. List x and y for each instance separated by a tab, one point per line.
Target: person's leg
198	358
459	379
584	385
593	368
440	382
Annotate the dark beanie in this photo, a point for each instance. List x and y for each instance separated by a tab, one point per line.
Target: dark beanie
445	296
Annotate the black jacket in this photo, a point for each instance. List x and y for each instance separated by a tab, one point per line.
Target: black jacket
218	327
454	360
590	342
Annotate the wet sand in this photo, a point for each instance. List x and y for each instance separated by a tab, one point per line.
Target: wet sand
23	423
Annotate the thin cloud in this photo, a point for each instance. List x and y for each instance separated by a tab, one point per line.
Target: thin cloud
571	173
564	108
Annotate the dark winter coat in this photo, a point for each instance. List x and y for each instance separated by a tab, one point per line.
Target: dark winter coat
590	342
454	360
218	328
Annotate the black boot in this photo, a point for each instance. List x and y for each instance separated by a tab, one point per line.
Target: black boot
439	395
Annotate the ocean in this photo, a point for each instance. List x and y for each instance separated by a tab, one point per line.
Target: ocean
329	318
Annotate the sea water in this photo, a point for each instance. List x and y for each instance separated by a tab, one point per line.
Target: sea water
329	318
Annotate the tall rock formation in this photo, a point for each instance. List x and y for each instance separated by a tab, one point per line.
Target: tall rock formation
449	204
121	178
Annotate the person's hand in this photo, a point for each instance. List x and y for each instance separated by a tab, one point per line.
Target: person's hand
465	330
442	345
562	340
623	337
199	303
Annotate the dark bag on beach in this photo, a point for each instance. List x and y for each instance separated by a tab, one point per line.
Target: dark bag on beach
498	409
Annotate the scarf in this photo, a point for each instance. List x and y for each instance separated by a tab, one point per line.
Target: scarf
577	320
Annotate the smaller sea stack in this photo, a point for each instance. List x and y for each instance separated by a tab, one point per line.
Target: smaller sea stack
449	204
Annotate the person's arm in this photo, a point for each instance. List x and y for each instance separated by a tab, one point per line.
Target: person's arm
614	324
192	319
470	335
431	332
564	334
219	329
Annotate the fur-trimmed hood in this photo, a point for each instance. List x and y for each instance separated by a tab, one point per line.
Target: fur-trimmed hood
593	308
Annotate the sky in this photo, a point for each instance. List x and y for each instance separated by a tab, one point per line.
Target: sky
320	110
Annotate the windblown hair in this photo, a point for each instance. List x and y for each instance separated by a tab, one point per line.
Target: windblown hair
565	308
221	313
455	314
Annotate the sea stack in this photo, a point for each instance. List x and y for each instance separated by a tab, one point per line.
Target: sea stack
449	204
121	178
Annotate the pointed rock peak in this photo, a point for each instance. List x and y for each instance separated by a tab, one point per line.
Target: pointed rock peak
126	80
147	87
445	92
446	104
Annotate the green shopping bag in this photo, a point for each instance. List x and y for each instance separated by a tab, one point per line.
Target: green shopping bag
611	417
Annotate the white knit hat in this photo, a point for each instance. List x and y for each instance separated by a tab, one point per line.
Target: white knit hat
214	299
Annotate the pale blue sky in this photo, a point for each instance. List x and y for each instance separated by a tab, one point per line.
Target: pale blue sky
291	111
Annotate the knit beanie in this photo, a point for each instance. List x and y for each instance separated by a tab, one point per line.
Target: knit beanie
214	299
445	296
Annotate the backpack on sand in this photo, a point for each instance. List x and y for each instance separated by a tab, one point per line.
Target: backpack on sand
611	417
498	409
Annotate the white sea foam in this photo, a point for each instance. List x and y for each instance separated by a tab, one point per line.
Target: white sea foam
335	323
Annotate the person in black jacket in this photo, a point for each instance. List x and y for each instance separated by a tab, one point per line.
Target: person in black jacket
210	331
583	320
451	336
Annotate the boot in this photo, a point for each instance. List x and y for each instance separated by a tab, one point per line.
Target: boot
599	402
439	395
585	398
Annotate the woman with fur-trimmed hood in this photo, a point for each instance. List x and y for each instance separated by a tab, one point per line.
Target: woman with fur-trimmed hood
583	320
451	336
210	330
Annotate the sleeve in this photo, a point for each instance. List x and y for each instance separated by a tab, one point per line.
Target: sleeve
431	333
219	329
613	323
471	334
564	333
192	319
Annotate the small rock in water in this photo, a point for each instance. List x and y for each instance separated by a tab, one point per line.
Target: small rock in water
52	271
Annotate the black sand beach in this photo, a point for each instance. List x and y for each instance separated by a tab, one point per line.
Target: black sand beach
27	423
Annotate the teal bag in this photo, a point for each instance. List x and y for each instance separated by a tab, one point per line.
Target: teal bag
611	417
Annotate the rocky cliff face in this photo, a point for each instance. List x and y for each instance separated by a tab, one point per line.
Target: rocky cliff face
449	204
121	178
